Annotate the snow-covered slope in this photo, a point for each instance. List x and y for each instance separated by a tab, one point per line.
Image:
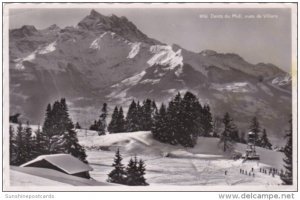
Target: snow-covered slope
166	165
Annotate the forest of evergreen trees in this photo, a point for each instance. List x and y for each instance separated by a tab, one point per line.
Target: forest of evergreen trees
181	121
58	135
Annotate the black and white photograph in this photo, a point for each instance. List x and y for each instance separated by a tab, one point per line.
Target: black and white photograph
150	97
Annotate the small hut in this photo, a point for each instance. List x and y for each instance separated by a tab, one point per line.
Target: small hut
65	163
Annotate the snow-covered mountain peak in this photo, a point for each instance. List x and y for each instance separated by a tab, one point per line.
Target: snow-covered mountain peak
97	22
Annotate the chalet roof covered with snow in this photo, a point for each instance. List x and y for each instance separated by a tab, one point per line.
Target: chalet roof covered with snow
65	162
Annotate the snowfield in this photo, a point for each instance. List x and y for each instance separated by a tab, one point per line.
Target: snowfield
205	164
135	48
166	165
165	56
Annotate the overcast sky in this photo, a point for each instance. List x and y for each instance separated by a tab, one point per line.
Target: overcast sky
256	40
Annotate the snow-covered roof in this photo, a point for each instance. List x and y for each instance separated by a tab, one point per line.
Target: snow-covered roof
65	162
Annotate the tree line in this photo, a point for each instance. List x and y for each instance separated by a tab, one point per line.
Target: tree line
58	135
139	118
181	121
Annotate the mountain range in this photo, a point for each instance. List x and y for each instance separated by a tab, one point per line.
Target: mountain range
108	59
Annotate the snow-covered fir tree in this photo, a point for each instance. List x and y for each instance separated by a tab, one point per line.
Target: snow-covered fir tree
118	174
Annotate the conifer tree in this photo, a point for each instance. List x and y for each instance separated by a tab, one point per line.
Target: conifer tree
207	121
188	118
139	117
48	128
28	142
225	139
132	172
20	146
174	119
70	141
113	125
102	120
255	128
59	131
146	115
120	121
287	177
71	144
264	141
118	174
132	118
141	168
160	128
